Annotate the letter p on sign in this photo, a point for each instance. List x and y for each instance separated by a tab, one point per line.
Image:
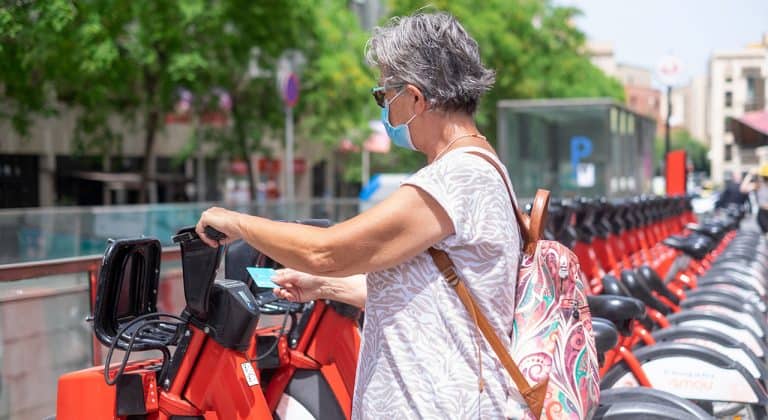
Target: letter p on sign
581	147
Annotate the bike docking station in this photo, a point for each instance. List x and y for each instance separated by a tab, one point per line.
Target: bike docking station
216	361
678	307
686	303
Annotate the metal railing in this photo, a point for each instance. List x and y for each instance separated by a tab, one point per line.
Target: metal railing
49	284
39	234
44	331
77	265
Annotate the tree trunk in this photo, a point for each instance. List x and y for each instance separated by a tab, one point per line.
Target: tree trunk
148	189
149	168
242	141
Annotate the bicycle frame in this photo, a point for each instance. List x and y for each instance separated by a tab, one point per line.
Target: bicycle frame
211	382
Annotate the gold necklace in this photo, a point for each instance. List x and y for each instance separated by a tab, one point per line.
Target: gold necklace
454	140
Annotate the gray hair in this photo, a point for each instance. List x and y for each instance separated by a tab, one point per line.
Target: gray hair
434	53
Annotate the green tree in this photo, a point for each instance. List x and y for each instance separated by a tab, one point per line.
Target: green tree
334	99
681	139
241	59
128	58
106	58
29	58
534	47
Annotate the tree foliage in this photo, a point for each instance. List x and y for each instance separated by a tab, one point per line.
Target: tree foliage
681	139
535	49
129	58
106	58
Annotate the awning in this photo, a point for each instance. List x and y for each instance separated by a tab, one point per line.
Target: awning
377	143
126	179
751	129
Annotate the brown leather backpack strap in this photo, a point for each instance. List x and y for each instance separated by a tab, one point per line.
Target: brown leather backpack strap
534	395
531	228
538	218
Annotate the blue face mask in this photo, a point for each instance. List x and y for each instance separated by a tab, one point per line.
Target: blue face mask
400	135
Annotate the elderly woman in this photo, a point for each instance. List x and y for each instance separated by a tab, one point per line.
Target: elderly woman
421	355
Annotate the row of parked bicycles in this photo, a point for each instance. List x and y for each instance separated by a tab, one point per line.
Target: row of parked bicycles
678	307
678	310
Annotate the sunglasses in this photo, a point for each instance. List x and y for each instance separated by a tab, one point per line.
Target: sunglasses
379	91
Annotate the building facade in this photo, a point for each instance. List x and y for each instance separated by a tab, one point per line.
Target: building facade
644	100
44	169
695	112
736	84
640	95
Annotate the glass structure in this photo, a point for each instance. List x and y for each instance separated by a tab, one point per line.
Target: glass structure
576	147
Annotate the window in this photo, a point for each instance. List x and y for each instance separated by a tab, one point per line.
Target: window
728	79
623	117
727	124
728	99
751	84
755	92
728	152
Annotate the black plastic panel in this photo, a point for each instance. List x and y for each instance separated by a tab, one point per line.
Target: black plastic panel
127	286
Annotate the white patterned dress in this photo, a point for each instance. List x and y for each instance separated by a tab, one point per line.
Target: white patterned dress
418	358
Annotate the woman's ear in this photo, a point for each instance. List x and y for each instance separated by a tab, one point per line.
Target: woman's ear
419	101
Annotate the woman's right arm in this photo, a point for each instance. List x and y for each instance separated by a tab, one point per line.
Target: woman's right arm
402	226
747	184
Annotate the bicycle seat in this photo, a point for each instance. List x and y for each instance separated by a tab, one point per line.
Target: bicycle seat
567	234
712	229
618	309
655	283
695	246
555	219
612	286
675	241
639	290
601	214
606	335
618	225
584	210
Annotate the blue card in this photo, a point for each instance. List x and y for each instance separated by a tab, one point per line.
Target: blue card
262	277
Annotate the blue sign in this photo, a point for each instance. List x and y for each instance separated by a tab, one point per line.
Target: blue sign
368	189
291	90
581	147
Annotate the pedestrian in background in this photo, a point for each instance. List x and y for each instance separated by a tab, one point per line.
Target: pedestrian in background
735	192
758	182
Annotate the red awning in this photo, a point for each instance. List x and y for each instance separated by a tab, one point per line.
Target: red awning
751	129
377	143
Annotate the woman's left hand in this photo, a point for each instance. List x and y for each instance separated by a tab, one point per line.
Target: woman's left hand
223	220
297	286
